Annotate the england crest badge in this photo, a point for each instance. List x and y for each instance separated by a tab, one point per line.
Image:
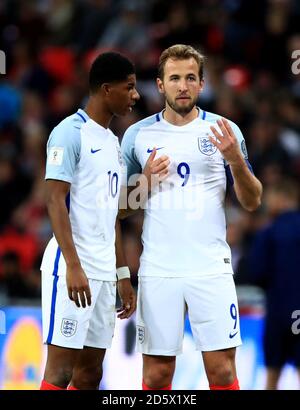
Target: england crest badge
141	333
68	327
205	146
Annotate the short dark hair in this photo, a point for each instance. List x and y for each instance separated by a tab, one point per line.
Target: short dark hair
109	67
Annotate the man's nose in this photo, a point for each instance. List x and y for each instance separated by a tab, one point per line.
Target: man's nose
182	86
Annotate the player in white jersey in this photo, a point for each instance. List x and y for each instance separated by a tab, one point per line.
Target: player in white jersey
83	176
186	261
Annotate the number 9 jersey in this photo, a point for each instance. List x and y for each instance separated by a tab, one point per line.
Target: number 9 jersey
184	231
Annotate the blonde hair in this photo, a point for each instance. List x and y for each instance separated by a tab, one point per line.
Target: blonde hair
180	52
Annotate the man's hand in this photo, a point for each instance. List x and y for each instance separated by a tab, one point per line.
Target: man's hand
127	297
156	170
78	286
227	143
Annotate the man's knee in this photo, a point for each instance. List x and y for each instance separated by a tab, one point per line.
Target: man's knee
87	377
221	375
158	374
59	376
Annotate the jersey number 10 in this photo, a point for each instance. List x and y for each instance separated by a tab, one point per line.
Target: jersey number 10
113	180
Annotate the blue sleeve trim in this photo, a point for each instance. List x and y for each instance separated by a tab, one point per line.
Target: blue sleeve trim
68	197
229	174
249	166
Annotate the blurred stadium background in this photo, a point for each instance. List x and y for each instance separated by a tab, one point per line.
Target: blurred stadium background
49	46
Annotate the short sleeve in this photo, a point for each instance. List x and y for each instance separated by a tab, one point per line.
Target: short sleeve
63	152
133	166
240	138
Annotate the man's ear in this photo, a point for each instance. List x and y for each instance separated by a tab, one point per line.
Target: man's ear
201	85
160	86
105	87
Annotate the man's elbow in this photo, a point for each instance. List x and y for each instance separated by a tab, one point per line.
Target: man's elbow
253	205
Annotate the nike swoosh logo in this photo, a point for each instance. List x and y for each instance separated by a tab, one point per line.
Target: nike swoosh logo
151	150
231	335
93	151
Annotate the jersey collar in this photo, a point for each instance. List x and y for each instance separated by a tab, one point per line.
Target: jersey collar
201	114
83	115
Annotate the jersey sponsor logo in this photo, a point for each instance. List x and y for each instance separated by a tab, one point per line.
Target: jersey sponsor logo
226	260
141	333
231	335
68	327
244	149
205	146
151	150
93	151
55	156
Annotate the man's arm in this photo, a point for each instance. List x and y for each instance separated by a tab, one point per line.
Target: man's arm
77	282
125	289
247	187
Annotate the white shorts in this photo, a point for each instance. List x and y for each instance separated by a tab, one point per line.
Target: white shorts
212	308
66	325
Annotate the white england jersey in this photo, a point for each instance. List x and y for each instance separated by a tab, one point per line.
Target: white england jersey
88	156
184	231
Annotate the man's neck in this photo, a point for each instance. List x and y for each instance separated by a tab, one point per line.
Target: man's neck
177	119
98	112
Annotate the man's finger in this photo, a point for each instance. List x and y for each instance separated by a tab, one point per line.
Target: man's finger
228	127
152	155
70	294
82	298
216	132
75	298
160	159
223	129
131	310
88	296
160	167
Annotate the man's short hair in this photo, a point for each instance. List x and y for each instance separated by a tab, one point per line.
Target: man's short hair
180	52
109	67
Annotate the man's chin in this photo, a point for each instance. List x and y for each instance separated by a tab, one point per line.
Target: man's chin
183	110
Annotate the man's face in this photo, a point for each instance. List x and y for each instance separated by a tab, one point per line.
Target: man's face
181	84
123	96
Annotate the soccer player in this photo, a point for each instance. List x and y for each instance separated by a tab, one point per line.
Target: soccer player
274	260
186	262
83	174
